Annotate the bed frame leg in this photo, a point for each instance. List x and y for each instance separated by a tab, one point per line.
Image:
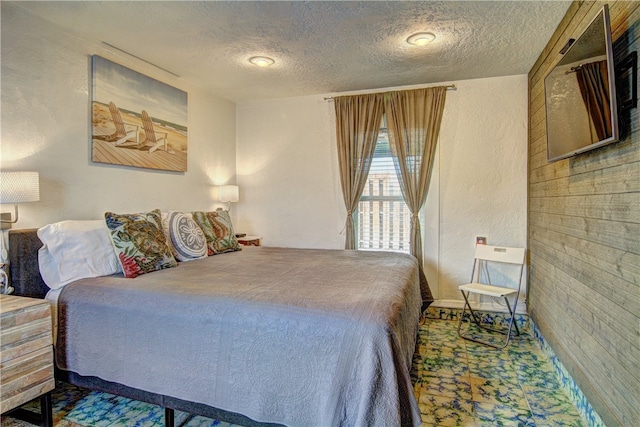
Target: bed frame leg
169	420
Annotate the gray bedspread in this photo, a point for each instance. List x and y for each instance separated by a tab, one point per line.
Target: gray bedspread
301	337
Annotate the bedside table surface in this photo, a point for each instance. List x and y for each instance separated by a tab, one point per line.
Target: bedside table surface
26	352
250	241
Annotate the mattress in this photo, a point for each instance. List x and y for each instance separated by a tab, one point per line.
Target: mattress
52	296
293	336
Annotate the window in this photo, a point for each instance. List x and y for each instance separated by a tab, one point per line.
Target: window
383	220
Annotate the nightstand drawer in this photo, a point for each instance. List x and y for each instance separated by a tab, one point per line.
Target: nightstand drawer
26	351
26	377
24	339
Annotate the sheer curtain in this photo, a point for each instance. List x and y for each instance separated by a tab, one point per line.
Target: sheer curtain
358	119
413	122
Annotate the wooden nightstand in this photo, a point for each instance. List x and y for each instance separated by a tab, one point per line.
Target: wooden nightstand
26	355
250	241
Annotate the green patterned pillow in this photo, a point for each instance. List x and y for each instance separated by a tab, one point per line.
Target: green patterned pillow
139	242
218	231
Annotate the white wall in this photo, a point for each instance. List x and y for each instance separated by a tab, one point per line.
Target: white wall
290	189
46	81
287	171
482	174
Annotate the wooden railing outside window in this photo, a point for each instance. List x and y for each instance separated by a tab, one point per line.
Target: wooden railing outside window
383	217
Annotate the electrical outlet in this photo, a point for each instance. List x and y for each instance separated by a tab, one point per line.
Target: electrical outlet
480	240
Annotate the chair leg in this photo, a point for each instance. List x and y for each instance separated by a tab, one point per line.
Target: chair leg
464	308
477	322
473	315
512	313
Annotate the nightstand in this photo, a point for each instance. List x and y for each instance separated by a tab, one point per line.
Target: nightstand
26	356
250	241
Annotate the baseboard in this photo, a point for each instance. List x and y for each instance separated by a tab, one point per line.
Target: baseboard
579	400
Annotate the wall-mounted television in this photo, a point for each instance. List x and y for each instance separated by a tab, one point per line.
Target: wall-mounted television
580	93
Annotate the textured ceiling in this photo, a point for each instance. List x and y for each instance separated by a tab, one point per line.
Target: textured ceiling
319	47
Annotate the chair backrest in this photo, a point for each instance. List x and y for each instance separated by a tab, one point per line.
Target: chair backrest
500	254
117	120
147	124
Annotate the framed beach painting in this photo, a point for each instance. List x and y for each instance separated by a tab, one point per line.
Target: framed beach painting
136	120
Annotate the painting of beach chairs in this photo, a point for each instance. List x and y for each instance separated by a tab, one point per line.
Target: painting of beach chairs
136	120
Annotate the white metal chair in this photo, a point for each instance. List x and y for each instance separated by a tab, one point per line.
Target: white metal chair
492	254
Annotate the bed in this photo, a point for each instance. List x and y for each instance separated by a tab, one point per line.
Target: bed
263	336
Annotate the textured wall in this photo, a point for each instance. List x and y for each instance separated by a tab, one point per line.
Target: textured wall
482	174
46	78
287	171
584	239
319	46
290	187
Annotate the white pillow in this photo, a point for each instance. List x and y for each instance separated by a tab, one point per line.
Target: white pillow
74	250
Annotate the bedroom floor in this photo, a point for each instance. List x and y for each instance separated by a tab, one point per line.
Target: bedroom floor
457	383
462	383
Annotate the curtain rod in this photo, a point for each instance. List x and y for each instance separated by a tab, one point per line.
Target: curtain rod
574	69
141	59
449	87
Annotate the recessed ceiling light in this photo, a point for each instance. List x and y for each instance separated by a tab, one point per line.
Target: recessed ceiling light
262	61
421	39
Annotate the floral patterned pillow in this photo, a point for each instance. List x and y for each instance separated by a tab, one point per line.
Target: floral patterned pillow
218	230
139	242
186	236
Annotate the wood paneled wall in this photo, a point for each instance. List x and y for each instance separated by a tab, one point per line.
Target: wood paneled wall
584	238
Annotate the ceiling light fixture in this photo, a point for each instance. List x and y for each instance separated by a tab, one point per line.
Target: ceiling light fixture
421	39
262	61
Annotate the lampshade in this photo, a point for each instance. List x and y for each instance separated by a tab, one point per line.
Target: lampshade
19	187
229	193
